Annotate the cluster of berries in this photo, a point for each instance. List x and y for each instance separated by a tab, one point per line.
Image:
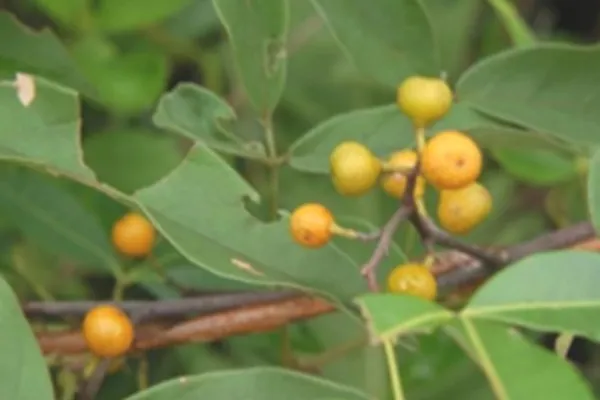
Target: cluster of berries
450	162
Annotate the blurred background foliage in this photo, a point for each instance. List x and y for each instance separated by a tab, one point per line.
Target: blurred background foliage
133	51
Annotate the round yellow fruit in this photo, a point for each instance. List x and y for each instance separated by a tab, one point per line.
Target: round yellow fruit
354	168
311	225
461	210
424	99
413	279
394	183
451	160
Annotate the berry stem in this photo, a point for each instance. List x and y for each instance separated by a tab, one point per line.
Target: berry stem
353	234
390	356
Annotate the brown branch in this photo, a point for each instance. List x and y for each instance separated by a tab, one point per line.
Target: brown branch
244	320
147	310
462	268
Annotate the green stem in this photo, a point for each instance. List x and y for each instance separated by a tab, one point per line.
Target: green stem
390	356
273	168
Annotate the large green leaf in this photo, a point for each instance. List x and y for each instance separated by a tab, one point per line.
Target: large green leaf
593	190
38	53
45	132
391	315
23	372
131	159
548	88
515	368
202	116
536	166
258	31
128	80
199	207
389	42
117	16
53	218
384	129
262	383
553	291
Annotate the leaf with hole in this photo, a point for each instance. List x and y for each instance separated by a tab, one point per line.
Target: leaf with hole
200	208
552	291
258	32
200	115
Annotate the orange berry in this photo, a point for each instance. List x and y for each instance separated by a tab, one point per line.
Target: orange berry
461	210
394	183
451	160
311	225
413	279
108	331
354	168
133	235
424	100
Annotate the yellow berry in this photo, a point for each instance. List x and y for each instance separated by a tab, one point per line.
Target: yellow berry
394	183
423	99
133	235
451	160
354	168
311	225
108	331
413	279
461	210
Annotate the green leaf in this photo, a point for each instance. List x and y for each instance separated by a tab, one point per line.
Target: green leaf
264	383
515	368
45	132
258	31
200	115
131	159
553	291
536	166
37	53
593	189
199	207
520	33
528	87
362	366
51	217
21	353
392	315
68	12
388	42
384	129
127	81
117	16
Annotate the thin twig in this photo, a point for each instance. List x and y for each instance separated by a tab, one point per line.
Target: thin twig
383	245
90	387
152	309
